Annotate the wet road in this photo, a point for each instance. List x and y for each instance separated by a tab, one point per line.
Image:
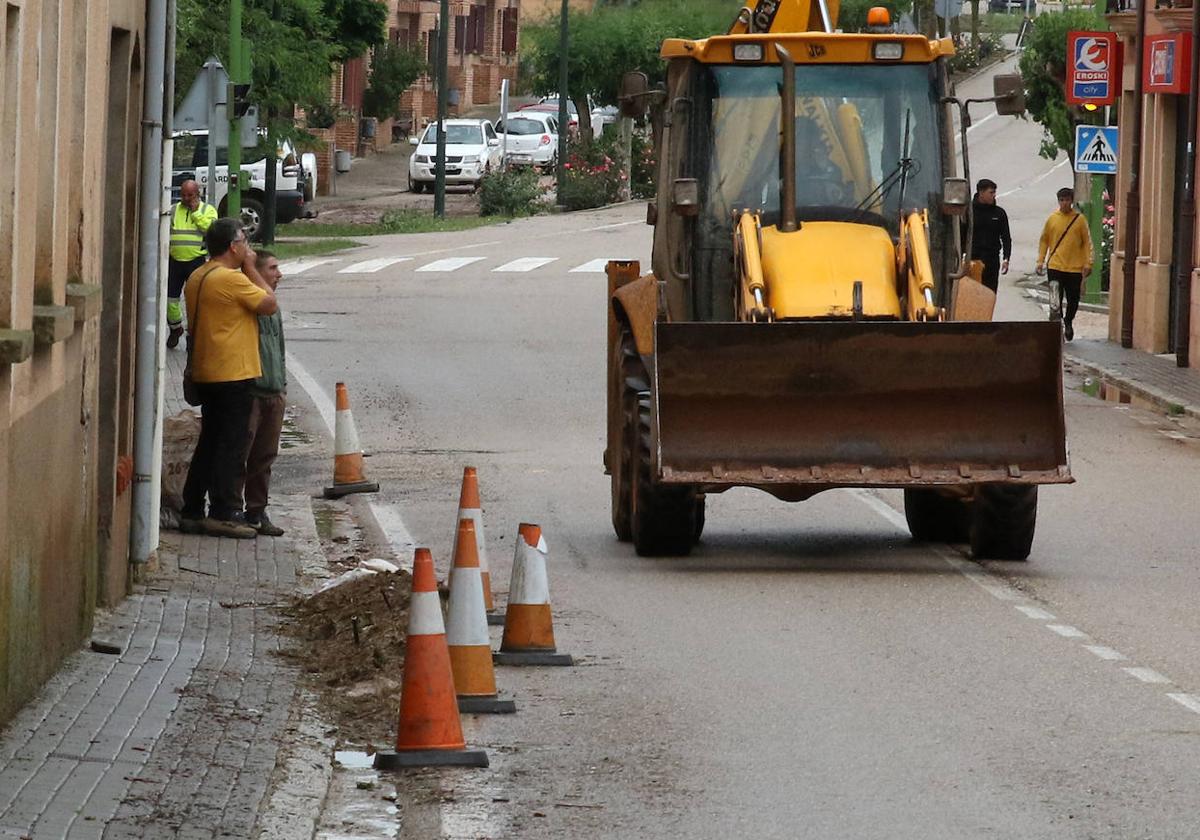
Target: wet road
809	671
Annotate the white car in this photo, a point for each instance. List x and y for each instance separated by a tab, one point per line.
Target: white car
472	150
530	138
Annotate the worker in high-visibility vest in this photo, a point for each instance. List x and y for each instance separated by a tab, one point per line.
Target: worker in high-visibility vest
190	219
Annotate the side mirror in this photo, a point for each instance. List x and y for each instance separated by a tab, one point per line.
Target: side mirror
1009	92
685	197
416	141
956	195
631	95
494	142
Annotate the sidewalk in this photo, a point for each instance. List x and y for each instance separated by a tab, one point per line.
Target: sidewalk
182	732
1153	378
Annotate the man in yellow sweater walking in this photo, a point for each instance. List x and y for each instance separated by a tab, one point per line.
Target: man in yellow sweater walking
1065	253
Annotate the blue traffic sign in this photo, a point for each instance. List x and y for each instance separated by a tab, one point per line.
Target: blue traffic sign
1096	149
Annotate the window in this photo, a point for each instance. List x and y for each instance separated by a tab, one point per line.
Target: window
521	126
489	131
465	135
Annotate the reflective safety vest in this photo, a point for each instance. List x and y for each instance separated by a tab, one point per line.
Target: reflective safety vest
187	231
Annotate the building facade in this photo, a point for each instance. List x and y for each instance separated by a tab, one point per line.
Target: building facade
70	123
1156	303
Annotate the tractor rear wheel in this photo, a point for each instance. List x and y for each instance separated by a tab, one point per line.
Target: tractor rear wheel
1003	519
936	517
665	519
627	365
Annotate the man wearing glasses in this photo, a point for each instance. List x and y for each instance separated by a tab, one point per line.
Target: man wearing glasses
224	298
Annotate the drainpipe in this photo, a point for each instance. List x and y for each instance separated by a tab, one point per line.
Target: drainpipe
154	199
1187	214
1133	198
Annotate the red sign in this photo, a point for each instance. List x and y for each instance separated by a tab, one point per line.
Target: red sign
1093	68
1168	63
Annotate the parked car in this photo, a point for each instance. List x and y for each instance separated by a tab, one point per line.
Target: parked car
295	178
472	150
551	107
601	116
530	138
1012	6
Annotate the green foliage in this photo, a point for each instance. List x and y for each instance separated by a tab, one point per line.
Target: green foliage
592	177
293	45
852	14
613	40
514	192
1044	68
393	69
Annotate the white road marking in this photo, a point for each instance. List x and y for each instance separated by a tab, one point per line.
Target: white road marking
291	269
1106	653
392	524
1188	701
386	516
978	123
371	266
449	264
1067	631
525	264
1036	613
592	266
1146	675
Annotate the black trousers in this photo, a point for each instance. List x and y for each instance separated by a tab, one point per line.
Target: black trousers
218	467
1071	283
991	271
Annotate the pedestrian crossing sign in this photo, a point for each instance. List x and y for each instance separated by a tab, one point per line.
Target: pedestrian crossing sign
1096	149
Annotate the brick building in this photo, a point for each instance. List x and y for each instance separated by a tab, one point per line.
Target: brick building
70	123
1164	122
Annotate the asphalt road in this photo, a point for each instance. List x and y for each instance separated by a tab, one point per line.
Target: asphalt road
809	671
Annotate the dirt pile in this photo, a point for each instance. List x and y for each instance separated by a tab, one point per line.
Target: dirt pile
350	639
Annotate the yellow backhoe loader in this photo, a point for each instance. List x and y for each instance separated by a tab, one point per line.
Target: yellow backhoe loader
810	321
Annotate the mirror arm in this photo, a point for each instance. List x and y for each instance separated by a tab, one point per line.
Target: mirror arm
964	122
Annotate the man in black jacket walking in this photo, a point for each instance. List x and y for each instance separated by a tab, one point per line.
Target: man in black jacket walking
991	238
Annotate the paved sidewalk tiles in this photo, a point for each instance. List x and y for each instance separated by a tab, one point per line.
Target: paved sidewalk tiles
1154	378
180	734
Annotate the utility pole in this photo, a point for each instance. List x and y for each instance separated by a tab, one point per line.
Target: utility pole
564	122
233	200
443	105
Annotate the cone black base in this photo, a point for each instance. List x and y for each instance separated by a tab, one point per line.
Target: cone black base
495	619
339	490
430	758
532	658
486	706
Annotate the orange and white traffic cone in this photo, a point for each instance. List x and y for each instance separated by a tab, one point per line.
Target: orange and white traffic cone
528	625
348	475
469	507
429	732
467	632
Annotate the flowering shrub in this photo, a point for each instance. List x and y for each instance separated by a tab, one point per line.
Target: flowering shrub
1108	235
644	166
592	177
512	192
967	56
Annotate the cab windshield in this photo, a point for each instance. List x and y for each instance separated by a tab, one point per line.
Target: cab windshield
866	142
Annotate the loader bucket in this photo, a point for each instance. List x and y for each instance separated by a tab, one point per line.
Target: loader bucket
889	404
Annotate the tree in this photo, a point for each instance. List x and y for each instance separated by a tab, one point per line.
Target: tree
1044	67
614	39
393	69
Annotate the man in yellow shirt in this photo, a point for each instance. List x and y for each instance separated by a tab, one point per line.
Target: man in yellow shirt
1065	253
224	298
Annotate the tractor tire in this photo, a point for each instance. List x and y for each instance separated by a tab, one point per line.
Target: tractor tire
663	518
628	365
936	517
1003	519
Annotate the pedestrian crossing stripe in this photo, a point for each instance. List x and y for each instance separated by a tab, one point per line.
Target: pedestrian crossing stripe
292	269
449	264
525	264
372	266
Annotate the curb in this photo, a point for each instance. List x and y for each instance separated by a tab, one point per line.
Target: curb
1160	399
1043	296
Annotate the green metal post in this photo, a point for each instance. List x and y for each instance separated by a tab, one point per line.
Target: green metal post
443	106
1095	218
563	120
233	199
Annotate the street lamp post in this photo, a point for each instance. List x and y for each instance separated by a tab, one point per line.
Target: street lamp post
564	123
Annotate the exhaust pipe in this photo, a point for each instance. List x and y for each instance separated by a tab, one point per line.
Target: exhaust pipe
787	124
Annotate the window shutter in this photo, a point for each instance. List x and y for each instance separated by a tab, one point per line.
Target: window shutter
431	47
480	30
460	33
508	36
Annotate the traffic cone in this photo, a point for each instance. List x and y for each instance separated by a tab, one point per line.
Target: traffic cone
429	732
528	626
348	476
469	507
467	632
